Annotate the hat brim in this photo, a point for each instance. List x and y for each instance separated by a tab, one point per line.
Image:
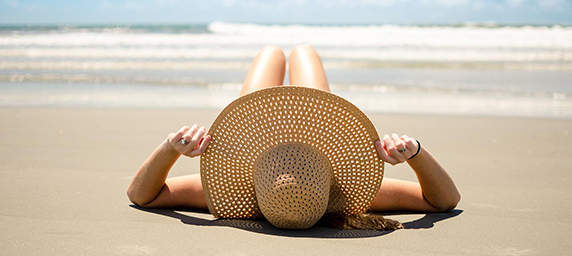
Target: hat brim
257	121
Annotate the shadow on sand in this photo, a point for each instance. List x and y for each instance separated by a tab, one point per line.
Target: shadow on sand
317	231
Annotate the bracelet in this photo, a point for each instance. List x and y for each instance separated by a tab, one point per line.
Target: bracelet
418	149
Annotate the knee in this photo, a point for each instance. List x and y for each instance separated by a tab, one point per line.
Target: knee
270	47
306	47
273	51
303	49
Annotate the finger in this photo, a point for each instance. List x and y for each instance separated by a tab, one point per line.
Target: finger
174	138
202	147
382	154
409	145
405	138
399	144
196	139
180	133
195	151
190	133
201	141
391	149
400	147
388	142
412	146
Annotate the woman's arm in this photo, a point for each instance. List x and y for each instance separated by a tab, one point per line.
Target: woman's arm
435	192
149	188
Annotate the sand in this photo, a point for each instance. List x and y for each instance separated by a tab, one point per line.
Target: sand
64	173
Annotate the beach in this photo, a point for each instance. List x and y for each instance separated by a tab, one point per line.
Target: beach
82	106
65	172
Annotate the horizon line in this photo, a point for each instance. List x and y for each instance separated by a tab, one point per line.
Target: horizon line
465	23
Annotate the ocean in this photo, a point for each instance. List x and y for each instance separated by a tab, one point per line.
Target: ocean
460	69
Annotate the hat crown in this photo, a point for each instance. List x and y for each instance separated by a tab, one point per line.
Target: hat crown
292	183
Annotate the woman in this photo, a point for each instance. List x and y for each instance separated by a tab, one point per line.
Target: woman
435	191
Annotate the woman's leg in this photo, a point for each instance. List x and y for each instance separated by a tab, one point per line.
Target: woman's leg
306	68
267	70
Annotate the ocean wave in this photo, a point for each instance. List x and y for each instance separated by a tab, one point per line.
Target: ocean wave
374	54
122	65
101	78
400	35
113	29
229	34
343	46
150	65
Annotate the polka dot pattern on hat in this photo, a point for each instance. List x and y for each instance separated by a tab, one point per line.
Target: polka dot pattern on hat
285	114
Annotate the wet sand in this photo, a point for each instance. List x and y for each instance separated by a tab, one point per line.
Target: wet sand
64	174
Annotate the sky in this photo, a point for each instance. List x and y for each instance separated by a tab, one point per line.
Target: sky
283	11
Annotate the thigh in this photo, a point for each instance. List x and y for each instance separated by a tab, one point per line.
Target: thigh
306	68
267	70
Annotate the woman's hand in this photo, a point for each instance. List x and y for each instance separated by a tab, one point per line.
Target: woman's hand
395	149
436	191
149	187
189	141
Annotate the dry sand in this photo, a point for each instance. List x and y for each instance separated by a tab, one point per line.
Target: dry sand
64	174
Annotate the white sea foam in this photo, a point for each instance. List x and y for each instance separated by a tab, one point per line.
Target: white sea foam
121	65
376	43
225	34
356	54
391	35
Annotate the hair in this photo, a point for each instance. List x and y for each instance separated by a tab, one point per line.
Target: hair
360	221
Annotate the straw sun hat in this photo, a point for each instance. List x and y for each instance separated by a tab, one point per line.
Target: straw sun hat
290	154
